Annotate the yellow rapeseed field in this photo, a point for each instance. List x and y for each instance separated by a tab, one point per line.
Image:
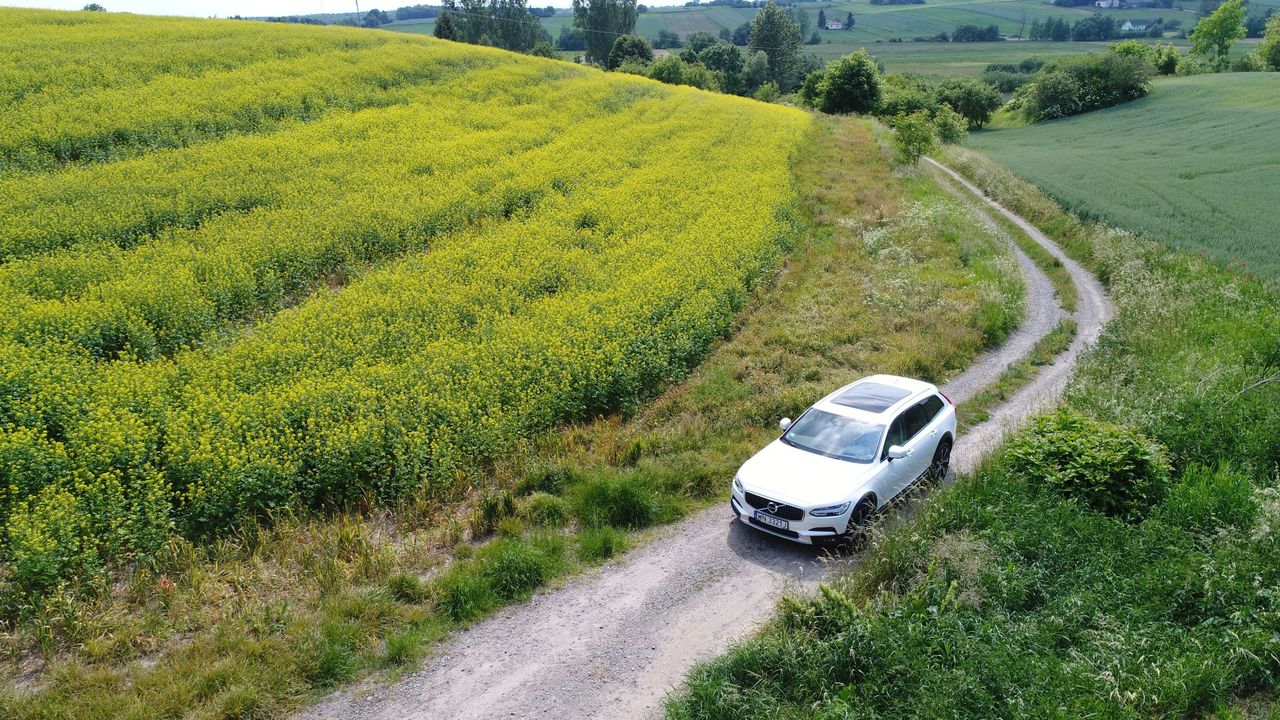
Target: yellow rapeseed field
245	267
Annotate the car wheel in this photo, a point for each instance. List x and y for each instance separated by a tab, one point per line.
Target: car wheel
855	531
941	461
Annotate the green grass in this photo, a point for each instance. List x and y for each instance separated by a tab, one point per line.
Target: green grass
1003	599
888	275
1194	165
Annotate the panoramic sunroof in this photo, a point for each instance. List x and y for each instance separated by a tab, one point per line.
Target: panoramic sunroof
871	397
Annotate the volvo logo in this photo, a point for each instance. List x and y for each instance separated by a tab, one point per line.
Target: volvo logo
772	508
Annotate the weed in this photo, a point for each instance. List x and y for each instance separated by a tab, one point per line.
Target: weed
601	543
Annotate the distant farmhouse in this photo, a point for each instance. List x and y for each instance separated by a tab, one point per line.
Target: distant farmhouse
1124	3
835	25
1136	26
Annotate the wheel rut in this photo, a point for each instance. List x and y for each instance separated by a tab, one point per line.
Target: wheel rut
612	642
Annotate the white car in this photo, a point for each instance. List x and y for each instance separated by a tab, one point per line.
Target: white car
844	458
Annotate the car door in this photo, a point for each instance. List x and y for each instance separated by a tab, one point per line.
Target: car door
907	430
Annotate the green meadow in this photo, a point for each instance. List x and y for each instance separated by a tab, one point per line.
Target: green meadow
1193	165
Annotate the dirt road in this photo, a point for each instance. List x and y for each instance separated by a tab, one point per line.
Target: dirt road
612	642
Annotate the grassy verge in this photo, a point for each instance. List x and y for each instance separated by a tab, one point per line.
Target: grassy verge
889	276
977	409
1009	596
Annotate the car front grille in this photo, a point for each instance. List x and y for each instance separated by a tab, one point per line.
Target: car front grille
782	510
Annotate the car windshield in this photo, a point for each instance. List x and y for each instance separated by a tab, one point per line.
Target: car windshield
837	436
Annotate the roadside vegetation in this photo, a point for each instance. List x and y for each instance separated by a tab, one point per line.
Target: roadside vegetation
1117	558
231	490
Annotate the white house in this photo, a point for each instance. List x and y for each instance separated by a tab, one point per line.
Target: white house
1135	26
835	25
1108	3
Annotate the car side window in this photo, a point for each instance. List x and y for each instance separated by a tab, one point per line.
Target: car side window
930	407
894	437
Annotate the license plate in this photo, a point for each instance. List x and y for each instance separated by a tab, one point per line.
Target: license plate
772	521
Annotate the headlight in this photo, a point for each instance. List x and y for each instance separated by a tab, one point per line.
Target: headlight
830	510
737	484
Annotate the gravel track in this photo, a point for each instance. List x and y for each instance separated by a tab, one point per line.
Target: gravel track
612	642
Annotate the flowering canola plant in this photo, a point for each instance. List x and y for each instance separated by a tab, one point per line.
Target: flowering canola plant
358	300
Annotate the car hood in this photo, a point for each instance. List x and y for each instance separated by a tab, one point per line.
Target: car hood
802	478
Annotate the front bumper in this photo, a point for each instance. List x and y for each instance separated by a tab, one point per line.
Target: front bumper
809	530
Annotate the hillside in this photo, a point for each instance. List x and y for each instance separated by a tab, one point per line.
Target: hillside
379	261
1194	164
320	343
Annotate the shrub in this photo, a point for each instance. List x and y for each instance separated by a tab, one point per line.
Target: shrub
545	510
403	648
1089	82
597	544
329	654
1110	468
951	126
1269	49
768	92
620	502
913	136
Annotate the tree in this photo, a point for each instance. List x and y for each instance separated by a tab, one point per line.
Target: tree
667	39
822	19
1213	35
775	35
850	84
507	24
973	99
951	126
755	72
444	27
1085	83
700	40
848	21
1269	48
726	35
94	7
602	21
742	34
571	38
913	136
727	60
628	48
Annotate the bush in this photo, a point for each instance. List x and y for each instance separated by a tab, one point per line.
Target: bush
913	137
597	544
407	588
620	502
674	71
1090	82
951	126
850	85
904	94
1269	49
768	92
1107	467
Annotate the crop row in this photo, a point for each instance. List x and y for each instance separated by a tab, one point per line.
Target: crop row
328	207
50	128
613	227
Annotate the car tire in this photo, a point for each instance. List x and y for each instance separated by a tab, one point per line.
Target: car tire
855	532
941	463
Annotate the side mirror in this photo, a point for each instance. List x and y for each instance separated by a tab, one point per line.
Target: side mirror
784	424
897	452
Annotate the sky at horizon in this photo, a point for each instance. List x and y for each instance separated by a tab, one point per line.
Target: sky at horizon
250	8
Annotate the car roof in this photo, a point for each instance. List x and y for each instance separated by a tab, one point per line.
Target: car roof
876	398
